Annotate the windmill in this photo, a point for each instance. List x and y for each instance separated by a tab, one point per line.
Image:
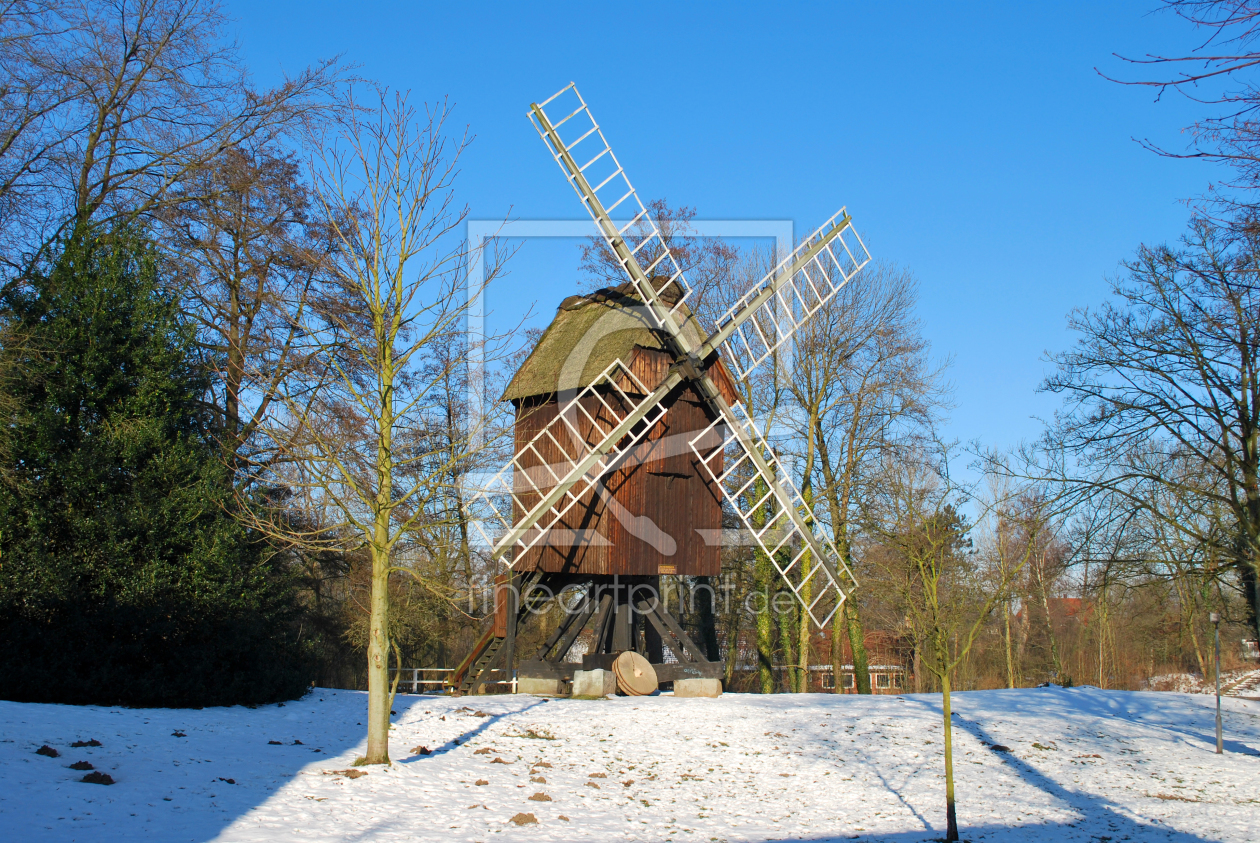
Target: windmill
616	375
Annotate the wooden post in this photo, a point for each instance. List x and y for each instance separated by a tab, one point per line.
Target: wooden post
501	588
621	637
509	645
708	618
651	637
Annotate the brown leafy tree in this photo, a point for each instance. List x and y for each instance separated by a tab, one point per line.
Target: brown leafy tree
255	256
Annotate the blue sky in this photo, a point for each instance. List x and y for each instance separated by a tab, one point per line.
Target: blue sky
973	143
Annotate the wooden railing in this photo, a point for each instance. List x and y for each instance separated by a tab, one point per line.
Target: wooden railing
419	680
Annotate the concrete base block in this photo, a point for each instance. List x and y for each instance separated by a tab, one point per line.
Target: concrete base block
594	683
697	687
541	687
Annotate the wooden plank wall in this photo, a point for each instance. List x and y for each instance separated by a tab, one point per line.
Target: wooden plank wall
650	365
662	491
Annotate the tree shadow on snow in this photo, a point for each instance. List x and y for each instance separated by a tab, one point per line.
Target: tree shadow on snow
1195	721
464	737
1099	819
1068	832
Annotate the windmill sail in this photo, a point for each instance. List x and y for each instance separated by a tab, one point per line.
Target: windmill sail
772	311
603	186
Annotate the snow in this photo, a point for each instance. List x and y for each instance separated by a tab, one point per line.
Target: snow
1084	764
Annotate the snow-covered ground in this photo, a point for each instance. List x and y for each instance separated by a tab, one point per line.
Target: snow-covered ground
1238	683
1083	764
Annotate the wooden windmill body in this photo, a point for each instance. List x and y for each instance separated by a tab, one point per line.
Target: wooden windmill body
658	512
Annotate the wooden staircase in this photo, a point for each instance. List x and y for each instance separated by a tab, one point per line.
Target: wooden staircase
486	654
480	660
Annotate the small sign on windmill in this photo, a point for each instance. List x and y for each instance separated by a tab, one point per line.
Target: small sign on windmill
630	433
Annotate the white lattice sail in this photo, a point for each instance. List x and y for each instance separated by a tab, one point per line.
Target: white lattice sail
759	329
582	152
777	534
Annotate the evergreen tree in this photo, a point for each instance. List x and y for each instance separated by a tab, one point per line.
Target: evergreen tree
124	577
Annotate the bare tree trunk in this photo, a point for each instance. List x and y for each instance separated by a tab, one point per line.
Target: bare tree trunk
378	637
1250	508
1022	630
857	642
803	648
765	627
1055	666
378	660
1102	638
1010	657
1185	596
1251	591
733	616
763	581
837	650
787	639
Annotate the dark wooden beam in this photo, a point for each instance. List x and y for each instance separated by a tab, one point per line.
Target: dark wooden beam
509	644
622	639
567	632
537	669
693	652
603	617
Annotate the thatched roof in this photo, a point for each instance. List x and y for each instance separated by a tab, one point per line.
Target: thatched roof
588	333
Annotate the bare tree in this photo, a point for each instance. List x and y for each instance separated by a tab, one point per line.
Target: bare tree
108	104
385	183
999	542
1133	549
254	255
1168	375
925	547
707	262
1226	55
29	103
